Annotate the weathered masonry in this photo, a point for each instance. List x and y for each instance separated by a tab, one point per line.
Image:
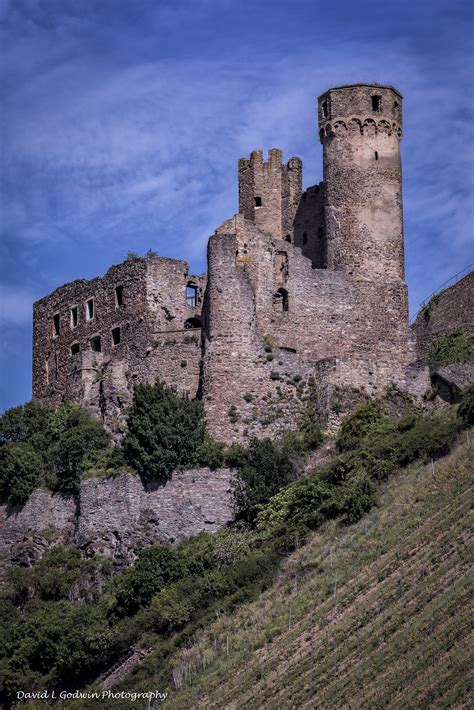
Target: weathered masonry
94	339
305	298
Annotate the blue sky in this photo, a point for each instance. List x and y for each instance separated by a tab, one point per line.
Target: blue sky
123	121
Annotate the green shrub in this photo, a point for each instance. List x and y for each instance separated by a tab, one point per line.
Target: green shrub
264	470
210	453
165	431
155	567
466	408
81	435
21	470
454	347
356	426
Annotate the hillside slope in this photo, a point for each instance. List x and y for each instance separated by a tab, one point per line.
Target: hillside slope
372	615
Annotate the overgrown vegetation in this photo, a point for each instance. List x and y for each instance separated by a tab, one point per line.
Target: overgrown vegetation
453	347
165	431
67	619
50	448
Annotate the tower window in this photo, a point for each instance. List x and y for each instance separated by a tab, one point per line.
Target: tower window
376	103
75	348
288	239
191	295
376	155
115	336
56	324
325	109
96	345
258	201
305	237
119	296
280	300
74	317
90	309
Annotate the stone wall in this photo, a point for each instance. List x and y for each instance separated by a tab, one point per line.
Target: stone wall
117	516
93	340
447	311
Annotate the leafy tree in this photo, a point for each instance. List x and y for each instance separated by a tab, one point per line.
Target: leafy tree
165	431
265	469
28	422
80	436
156	566
21	471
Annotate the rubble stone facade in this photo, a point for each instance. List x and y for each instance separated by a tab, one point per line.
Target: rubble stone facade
305	298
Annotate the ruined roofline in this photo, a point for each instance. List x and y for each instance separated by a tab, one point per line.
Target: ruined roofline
275	157
353	86
121	265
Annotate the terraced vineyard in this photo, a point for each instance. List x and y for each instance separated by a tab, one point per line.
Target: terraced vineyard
370	616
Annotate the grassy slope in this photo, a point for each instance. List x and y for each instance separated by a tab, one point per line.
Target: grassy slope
366	616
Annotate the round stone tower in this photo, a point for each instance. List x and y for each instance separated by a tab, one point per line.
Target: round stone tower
360	127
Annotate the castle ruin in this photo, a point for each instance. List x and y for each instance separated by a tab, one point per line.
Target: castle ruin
304	301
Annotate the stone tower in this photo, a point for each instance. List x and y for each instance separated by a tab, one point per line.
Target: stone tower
269	192
360	127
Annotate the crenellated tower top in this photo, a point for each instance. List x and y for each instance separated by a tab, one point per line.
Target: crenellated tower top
269	192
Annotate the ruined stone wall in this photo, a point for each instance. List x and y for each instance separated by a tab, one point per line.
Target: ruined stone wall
447	311
117	516
309	226
94	354
360	129
264	293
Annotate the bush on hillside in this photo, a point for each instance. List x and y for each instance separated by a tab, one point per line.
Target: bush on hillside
21	471
466	408
264	469
453	347
46	447
165	431
356	426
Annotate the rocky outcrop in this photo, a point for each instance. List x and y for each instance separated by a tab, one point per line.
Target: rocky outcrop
116	516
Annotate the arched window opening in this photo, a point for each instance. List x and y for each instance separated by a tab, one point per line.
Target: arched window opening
192	323
280	300
191	295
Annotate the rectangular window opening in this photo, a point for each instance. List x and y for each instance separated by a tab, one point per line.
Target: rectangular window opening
96	345
115	336
119	296
90	309
376	103
258	201
56	324
75	348
376	155
74	317
325	109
